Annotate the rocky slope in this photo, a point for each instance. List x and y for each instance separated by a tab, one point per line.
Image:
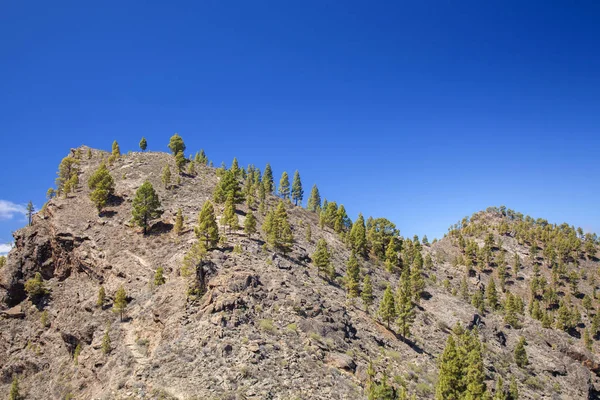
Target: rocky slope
268	326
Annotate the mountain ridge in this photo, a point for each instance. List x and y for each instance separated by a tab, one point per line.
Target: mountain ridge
269	324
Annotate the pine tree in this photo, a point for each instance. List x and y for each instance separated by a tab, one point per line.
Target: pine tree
268	179
106	345
510	311
308	234
464	288
101	297
499	394
120	303
68	167
284	186
491	295
278	229
207	228
228	185
89	154
321	257
30	210
235	168
102	186
358	236
387	307
180	161
450	373
367	292
477	301
176	144
250	224
146	206
404	305
352	276
166	176
314	201
416	277
229	217
521	354
297	192
475	374
513	389
201	157
14	390
391	256
342	222
178	228
191	168
116	151
159	278
516	265
587	340
143	144
50	194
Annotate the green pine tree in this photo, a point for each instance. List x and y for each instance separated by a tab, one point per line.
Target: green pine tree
500	394
278	229
166	176
475	374
101	297
250	224
587	339
513	389
387	307
314	201
352	276
367	293
176	144
146	206
143	144
235	168
116	151
284	186
391	256
102	186
178	228
321	257
207	228
159	278
106	344
521	354
180	161
450	373
14	390
120	303
229	217
405	309
228	186
297	192
30	210
416	277
268	179
358	236
491	295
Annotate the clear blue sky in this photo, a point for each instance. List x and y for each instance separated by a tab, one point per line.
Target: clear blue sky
422	112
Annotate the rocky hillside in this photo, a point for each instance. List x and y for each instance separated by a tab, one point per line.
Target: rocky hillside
269	325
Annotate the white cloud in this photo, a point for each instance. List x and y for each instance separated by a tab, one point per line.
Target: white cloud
5	248
9	209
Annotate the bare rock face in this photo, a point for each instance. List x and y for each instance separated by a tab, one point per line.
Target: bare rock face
267	326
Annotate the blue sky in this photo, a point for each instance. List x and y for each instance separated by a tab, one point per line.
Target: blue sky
422	112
